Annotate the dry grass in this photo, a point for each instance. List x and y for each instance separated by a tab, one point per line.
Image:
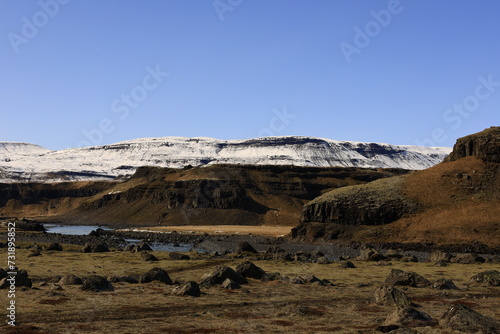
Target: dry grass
260	307
273	231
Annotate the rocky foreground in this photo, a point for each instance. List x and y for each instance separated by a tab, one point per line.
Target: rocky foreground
100	289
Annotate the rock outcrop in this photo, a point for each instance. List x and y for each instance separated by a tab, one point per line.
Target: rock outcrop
485	145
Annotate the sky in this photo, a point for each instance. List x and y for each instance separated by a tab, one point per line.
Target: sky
79	73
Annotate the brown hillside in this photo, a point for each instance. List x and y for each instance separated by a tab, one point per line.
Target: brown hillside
457	201
214	195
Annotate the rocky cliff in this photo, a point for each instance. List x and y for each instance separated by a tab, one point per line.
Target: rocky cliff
484	145
219	194
455	201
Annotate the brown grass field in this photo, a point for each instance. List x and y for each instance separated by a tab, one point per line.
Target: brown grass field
269	231
259	307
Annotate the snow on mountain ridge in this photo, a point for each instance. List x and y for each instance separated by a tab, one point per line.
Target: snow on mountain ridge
110	161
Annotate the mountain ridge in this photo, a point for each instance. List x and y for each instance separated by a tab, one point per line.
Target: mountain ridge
108	162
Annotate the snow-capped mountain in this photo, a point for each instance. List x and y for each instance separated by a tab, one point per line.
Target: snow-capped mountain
20	162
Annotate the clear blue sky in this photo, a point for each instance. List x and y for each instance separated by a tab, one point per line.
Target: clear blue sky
233	66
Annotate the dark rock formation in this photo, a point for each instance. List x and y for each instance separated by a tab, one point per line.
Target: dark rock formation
443	283
96	283
96	247
145	256
250	270
21	279
485	145
487	278
379	202
245	246
156	274
178	256
408	316
220	274
388	295
230	284
406	278
54	246
70	279
462	318
188	289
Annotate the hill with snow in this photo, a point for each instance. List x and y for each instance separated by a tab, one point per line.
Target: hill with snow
21	162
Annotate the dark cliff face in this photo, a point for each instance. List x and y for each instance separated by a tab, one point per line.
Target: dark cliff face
219	194
485	145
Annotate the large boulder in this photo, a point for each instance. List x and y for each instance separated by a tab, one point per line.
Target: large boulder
98	247
462	318
189	289
70	279
178	256
370	254
406	278
230	284
488	278
245	246
388	295
437	256
408	316
250	270
467	258
444	284
96	283
155	274
143	247
21	279
54	247
220	274
148	257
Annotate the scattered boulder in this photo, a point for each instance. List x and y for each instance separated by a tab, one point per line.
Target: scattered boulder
444	284
437	255
145	256
388	295
96	283
178	256
400	277
245	246
250	270
408	316
124	279
468	258
370	254
271	277
347	264
54	247
130	248
302	279
21	279
230	284
143	247
490	278
462	318
95	248
70	279
409	258
156	274
189	289
220	274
